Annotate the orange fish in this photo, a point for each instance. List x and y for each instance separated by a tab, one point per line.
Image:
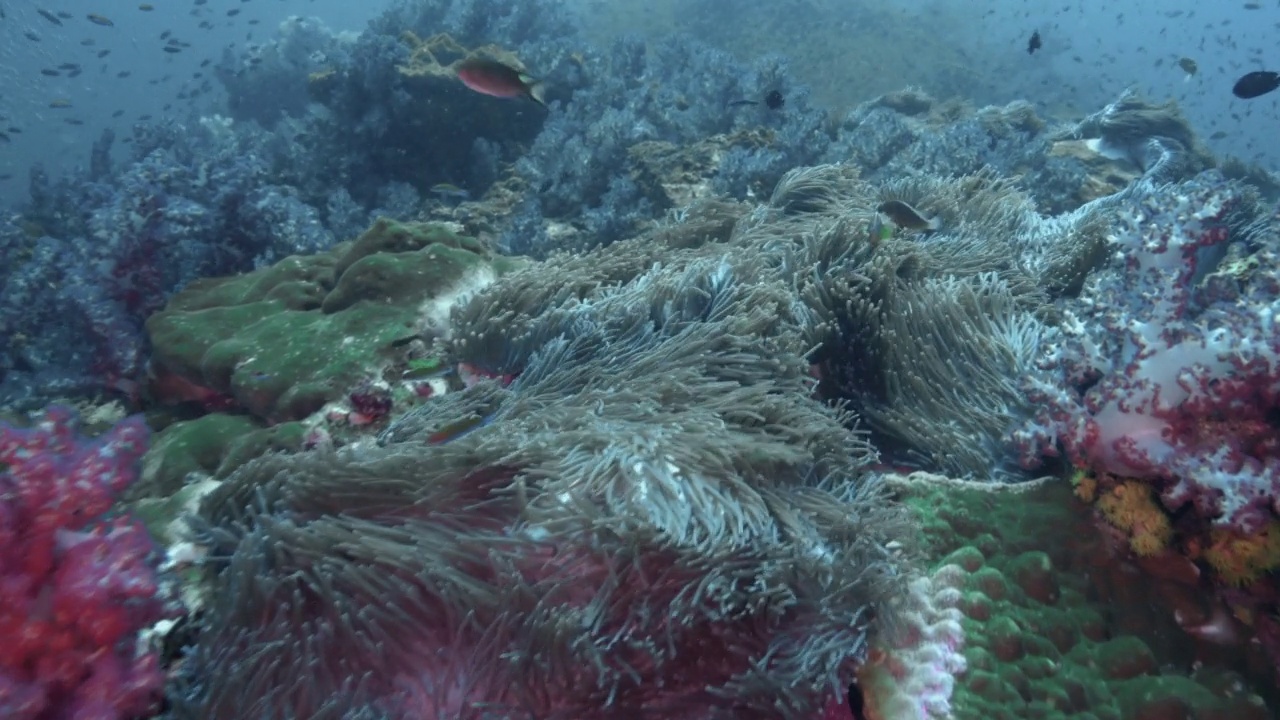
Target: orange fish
491	77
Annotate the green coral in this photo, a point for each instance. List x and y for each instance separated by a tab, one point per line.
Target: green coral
1038	642
284	340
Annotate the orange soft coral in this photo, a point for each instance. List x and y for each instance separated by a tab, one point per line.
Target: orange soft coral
1131	506
1242	558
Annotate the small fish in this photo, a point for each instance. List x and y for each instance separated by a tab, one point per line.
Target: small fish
233	12
449	190
49	72
743	103
97	19
73	121
426	368
879	230
1256	84
31	35
103	53
1188	66
774	100
171	49
1034	43
490	77
146	7
124	73
117	113
4	138
1218	135
456	429
14	130
60	103
907	217
49	16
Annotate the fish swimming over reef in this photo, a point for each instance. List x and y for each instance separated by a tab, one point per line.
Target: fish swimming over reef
497	79
907	217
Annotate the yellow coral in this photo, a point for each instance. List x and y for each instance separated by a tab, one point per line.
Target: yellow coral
1131	506
1239	558
1085	484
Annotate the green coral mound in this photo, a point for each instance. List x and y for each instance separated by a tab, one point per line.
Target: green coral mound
284	340
1043	640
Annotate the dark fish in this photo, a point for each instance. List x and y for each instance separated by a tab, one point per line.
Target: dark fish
117	113
742	103
905	216
1256	84
60	103
124	73
496	79
1188	65
69	66
50	72
49	16
97	19
146	7
103	53
73	121
1034	43
4	138
31	35
171	49
14	129
857	703
165	35
233	12
774	100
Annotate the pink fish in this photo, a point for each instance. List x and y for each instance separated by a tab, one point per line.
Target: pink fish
499	80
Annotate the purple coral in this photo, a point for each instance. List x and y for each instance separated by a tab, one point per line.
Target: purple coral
1164	381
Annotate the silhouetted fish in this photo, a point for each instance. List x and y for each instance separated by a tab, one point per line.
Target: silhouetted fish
1256	84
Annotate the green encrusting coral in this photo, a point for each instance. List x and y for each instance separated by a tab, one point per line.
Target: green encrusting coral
1043	640
284	340
214	445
